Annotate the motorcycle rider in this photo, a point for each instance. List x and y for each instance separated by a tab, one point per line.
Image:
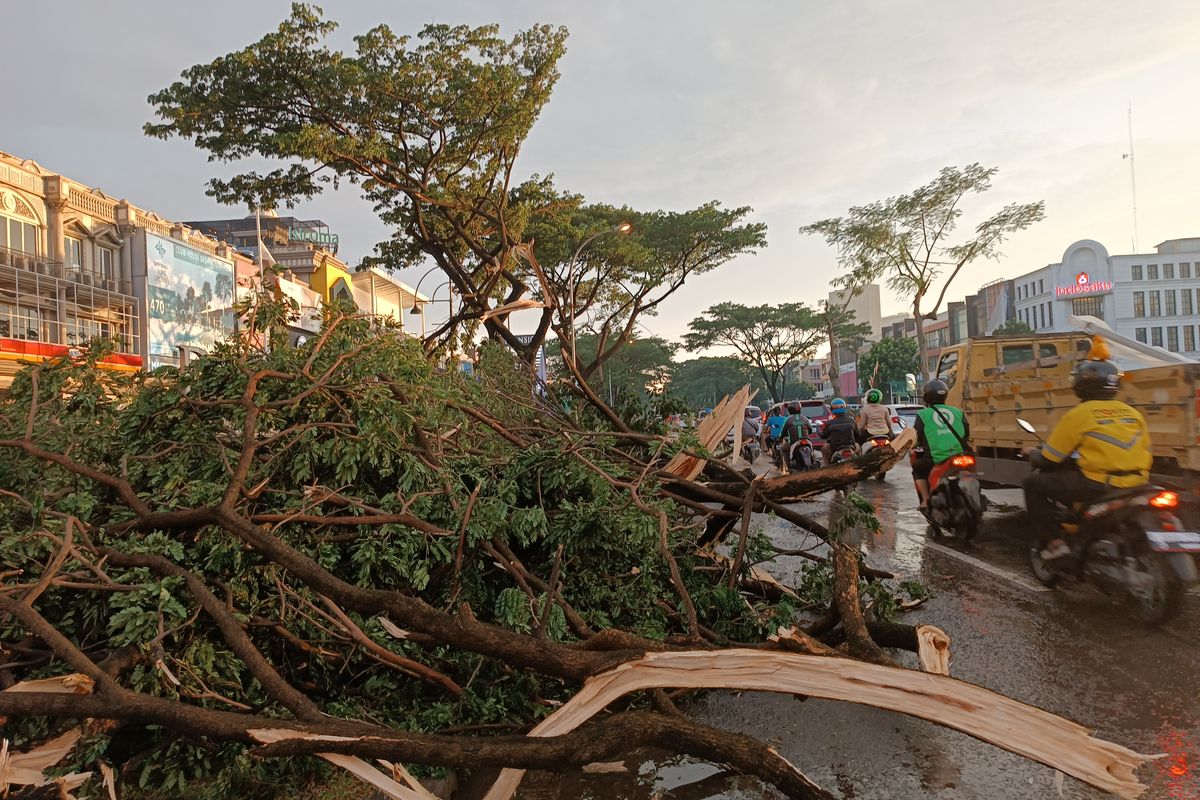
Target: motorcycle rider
1111	443
796	427
942	433
874	419
841	431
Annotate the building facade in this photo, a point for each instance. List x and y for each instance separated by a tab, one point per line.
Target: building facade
1151	297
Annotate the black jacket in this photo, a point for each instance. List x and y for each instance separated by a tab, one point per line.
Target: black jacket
841	432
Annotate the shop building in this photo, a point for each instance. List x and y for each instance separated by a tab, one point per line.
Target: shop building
1151	297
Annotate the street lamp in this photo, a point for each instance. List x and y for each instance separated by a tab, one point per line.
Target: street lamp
620	227
419	310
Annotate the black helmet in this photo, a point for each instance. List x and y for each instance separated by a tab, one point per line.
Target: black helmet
935	392
794	407
1096	380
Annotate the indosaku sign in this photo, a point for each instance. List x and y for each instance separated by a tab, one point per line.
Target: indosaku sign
189	302
1083	285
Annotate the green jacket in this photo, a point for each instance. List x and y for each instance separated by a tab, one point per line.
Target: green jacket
941	442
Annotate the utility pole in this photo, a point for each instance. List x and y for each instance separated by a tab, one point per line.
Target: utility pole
1132	178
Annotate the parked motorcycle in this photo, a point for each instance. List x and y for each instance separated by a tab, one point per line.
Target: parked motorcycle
871	444
956	501
1129	544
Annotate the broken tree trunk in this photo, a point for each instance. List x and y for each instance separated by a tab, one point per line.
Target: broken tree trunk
1009	724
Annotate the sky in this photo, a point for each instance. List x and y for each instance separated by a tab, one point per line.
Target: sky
799	110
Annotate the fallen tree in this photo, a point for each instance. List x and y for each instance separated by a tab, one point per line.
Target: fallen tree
374	561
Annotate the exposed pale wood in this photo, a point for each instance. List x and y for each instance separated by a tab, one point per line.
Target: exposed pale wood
711	431
1002	721
355	766
933	649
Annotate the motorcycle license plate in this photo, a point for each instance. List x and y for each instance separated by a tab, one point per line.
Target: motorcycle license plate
1174	541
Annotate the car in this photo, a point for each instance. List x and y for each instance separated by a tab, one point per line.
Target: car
817	412
903	416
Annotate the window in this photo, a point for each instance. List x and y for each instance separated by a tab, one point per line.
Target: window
1155	304
105	262
1173	339
1022	353
1185	270
1189	338
74	253
1139	304
1135	272
1171	310
1168	272
1156	337
1140	334
1152	272
1050	308
1185	295
1040	289
20	322
19	236
948	367
1094	306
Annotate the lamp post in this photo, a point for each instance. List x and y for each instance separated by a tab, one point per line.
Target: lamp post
417	310
621	227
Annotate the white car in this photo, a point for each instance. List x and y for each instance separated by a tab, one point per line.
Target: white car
903	416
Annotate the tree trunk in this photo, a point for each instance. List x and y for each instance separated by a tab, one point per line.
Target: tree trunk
922	368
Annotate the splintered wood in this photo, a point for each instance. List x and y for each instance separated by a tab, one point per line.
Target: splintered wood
711	431
1022	729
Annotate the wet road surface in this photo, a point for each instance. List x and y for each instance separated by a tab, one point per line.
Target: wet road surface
1072	652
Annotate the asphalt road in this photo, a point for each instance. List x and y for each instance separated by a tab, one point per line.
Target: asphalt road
1071	651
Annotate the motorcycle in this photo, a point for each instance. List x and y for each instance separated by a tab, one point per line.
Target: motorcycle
800	454
956	501
837	457
1129	544
870	444
750	450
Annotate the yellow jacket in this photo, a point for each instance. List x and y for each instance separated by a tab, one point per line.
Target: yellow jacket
1111	439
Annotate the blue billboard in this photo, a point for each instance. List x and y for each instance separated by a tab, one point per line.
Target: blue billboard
189	299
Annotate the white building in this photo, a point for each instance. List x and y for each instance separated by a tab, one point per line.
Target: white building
1151	297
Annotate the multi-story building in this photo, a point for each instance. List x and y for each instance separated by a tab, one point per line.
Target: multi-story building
66	268
866	309
1151	297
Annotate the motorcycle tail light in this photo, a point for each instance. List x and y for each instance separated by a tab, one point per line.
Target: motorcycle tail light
895	420
1165	500
962	461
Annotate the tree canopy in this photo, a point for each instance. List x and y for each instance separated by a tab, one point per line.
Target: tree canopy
702	382
772	338
887	361
905	242
1013	325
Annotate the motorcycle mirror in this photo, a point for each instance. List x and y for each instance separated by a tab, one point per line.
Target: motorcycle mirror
1026	426
901	423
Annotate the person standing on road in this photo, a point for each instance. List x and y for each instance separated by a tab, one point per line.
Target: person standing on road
1112	444
942	433
874	419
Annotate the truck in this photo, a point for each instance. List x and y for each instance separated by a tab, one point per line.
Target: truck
998	379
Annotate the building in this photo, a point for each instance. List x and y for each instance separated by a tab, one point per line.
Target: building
1151	297
866	309
307	252
66	268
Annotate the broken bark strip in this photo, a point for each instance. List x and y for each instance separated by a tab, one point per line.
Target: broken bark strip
1009	724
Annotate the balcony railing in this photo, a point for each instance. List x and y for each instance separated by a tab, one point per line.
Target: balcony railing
41	265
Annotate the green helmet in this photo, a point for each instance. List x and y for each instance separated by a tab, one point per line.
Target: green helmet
874	396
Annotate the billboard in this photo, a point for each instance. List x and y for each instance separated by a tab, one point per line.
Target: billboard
189	299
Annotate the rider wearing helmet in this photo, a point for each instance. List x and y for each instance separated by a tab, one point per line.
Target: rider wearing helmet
942	433
874	419
841	431
1100	445
797	425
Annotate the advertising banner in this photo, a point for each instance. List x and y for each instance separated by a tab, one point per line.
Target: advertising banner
189	299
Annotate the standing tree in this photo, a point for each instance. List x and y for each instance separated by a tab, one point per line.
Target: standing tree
429	129
772	338
842	333
1012	326
639	363
904	239
887	361
702	382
